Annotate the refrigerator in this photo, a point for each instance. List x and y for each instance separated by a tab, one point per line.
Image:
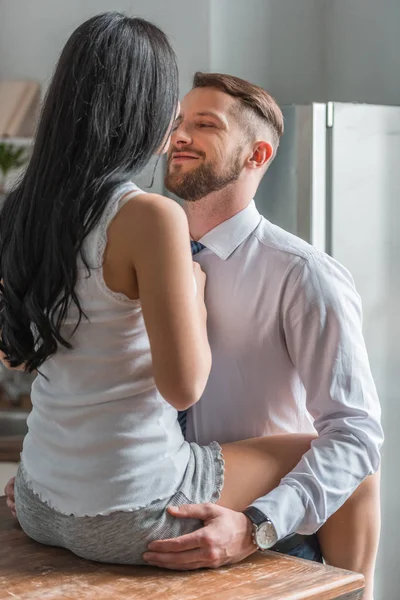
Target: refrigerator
335	182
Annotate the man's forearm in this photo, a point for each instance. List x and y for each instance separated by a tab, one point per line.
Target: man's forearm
322	481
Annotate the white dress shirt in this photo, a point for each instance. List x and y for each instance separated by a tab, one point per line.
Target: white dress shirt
285	329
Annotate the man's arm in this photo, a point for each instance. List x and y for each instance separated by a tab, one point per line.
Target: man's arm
321	317
322	321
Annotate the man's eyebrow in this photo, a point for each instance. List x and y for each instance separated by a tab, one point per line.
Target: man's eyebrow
208	113
203	113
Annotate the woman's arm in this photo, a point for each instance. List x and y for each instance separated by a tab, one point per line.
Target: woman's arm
174	314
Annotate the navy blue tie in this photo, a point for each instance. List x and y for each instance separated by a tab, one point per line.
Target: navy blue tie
196	247
182	415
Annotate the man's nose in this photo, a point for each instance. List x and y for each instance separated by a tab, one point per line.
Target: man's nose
181	136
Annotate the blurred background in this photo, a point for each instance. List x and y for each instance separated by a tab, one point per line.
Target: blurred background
334	67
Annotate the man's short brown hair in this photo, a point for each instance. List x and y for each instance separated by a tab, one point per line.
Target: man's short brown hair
252	99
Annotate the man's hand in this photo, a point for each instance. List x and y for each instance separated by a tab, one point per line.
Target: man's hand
226	538
9	492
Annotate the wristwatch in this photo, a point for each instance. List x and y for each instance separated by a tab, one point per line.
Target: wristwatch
264	533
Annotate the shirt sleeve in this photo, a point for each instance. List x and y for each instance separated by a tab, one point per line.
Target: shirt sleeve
322	324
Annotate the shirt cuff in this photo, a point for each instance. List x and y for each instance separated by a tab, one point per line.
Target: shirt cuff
285	509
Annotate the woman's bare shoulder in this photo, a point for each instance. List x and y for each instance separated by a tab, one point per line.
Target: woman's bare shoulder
151	211
148	217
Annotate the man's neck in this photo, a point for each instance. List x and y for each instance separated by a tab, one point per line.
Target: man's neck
207	213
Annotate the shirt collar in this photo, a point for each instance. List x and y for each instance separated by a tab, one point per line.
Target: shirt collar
226	237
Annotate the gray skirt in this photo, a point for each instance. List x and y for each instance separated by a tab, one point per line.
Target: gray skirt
123	537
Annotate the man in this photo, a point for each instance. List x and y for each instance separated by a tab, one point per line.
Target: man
284	325
285	332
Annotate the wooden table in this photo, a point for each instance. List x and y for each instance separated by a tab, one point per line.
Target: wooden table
31	571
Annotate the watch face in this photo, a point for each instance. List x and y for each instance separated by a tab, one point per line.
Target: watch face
266	535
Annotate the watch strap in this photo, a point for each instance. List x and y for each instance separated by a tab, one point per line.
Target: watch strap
255	515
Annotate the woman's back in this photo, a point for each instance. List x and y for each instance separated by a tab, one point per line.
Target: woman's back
101	438
103	433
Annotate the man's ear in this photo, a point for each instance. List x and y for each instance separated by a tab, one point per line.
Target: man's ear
262	153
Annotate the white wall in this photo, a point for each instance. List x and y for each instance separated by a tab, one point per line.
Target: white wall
363	51
33	33
300	50
311	50
273	43
239	43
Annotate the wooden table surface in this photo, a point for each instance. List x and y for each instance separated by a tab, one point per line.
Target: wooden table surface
31	571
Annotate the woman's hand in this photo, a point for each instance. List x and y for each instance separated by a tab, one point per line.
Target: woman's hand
200	278
9	492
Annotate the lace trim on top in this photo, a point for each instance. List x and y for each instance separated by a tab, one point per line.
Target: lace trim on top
115	204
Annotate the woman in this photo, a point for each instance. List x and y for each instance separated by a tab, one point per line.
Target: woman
98	296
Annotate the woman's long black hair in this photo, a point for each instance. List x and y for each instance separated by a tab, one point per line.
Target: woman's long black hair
107	111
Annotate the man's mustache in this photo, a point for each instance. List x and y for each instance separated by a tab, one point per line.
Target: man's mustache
173	151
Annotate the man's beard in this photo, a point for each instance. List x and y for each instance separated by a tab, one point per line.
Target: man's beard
203	180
